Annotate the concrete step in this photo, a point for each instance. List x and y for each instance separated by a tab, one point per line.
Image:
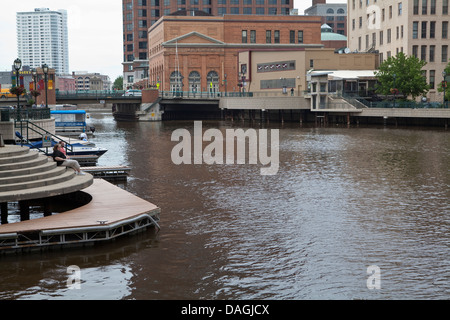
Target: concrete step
65	176
71	185
41	174
46	166
19	158
39	160
12	150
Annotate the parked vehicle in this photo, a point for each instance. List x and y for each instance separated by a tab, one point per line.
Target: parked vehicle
133	92
6	94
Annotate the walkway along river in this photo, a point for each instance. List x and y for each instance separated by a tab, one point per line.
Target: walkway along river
352	213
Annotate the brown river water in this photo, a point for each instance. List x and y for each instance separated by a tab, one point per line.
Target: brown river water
343	199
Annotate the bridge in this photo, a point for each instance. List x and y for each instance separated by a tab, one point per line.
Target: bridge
95	96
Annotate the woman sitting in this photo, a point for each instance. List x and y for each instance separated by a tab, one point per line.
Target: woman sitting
62	160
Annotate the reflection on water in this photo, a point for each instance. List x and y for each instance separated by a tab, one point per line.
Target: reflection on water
343	199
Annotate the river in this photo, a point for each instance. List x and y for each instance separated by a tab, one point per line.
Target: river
344	202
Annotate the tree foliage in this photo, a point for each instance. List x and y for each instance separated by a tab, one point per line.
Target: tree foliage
402	75
118	83
441	84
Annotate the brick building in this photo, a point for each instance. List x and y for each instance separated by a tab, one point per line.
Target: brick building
201	53
139	15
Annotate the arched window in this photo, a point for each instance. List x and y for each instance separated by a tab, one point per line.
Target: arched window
176	82
213	82
340	11
194	82
330	11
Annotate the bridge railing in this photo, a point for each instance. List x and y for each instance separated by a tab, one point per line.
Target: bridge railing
202	94
90	94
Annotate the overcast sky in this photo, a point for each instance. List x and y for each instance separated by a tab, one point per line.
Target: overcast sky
95	32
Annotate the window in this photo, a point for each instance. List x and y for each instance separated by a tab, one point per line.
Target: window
444	54
432	29
276	36
400	8
424	6
381	38
424	29
432	78
390	12
433	7
445	7
300	36
415	30
415	50
252	36
416	7
432	50
444	29
423	53
268	36
388	35
244	36
291	36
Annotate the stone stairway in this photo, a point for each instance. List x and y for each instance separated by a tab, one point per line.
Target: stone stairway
27	174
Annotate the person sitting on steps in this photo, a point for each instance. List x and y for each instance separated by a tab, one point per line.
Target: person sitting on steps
61	160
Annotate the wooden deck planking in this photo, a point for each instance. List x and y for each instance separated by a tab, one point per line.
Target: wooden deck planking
109	203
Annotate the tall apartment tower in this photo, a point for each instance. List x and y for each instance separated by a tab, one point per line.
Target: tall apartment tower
139	15
42	37
414	27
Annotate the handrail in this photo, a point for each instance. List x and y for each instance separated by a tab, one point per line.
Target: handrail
68	146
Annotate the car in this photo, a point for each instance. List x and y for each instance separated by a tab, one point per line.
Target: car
133	92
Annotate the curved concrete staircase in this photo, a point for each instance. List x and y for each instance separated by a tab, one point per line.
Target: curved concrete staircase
27	174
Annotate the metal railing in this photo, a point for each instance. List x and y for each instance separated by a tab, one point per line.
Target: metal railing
26	126
25	113
90	94
213	95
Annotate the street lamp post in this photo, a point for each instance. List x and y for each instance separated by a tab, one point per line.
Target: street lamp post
395	89
17	66
444	84
45	70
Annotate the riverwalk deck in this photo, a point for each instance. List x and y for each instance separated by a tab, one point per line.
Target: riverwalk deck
111	213
109	172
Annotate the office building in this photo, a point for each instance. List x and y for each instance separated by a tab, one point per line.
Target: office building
332	14
42	37
415	27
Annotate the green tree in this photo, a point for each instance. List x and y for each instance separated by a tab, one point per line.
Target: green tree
402	75
441	83
118	83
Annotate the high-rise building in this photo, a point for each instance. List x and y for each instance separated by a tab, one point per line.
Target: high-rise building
139	15
42	37
415	27
333	14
